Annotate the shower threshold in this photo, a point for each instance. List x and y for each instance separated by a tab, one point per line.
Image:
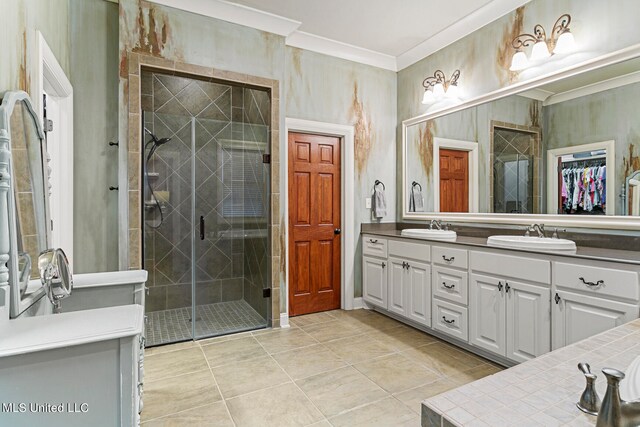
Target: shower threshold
174	325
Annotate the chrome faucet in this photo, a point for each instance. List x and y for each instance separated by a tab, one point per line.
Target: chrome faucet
435	224
615	412
539	228
589	401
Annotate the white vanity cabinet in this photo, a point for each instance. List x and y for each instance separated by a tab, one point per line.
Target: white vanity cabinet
509	307
590	298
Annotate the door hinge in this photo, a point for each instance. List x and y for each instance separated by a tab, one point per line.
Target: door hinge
266	293
266	158
48	125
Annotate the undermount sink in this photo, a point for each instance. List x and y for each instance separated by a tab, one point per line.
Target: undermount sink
532	243
423	233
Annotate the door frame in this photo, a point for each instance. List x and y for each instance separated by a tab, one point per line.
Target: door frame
552	172
455	144
49	77
347	161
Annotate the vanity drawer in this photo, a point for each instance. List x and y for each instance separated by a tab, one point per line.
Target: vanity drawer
374	246
409	249
597	280
451	285
450	319
528	269
450	257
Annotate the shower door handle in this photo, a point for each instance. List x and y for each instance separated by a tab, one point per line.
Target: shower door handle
201	228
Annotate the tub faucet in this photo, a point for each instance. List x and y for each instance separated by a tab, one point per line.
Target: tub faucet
615	412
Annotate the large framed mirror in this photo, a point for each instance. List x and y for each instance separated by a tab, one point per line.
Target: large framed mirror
563	149
28	195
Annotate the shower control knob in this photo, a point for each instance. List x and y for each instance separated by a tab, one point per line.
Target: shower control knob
337	231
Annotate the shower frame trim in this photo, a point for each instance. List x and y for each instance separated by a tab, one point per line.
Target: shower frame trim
130	235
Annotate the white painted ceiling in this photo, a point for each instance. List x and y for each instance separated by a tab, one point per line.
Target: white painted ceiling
384	33
389	27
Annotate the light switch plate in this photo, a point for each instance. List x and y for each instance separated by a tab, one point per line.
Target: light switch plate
367	202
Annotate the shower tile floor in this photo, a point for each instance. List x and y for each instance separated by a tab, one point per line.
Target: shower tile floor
174	325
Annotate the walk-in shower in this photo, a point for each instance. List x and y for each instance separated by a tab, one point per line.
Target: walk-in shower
206	207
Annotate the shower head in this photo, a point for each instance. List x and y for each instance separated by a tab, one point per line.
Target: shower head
157	142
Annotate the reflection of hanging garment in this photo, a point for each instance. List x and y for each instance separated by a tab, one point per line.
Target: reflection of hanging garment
603	185
584	190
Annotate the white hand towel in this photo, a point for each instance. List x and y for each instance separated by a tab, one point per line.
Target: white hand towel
379	204
418	200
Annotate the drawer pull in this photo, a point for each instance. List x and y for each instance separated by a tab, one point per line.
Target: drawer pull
448	286
598	283
373	241
448	321
449	260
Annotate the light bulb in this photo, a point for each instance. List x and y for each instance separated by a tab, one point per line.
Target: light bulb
438	90
428	97
540	51
565	43
519	61
453	91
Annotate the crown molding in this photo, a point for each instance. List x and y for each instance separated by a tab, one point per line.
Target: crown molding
338	49
237	14
467	25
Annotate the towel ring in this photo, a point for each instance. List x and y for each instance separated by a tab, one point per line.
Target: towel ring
381	183
414	183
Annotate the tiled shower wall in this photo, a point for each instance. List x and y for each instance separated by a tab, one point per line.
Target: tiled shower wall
231	134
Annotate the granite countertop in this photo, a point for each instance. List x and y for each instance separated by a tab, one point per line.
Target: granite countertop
584	252
543	391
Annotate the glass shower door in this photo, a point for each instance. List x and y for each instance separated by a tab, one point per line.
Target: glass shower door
167	224
231	215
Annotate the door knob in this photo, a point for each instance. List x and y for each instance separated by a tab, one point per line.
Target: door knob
338	231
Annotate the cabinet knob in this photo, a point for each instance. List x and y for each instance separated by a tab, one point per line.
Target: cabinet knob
500	286
506	287
384	265
557	298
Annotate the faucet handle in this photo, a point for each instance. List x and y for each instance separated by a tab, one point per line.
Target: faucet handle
589	400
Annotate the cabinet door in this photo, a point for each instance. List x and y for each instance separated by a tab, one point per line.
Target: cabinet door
528	321
487	317
576	317
398	285
419	293
374	281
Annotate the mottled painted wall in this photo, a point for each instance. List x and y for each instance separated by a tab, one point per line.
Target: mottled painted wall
327	89
484	56
20	20
472	124
94	77
603	116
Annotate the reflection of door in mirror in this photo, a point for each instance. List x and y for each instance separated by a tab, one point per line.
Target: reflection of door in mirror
454	180
515	159
28	184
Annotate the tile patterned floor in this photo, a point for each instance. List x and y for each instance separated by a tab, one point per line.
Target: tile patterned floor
339	368
174	325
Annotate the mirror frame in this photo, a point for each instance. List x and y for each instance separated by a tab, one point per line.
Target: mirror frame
602	222
7	216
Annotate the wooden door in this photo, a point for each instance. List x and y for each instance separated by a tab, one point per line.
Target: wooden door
576	317
314	223
374	281
487	317
528	321
454	181
397	285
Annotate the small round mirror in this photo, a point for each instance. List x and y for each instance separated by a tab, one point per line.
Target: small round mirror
55	275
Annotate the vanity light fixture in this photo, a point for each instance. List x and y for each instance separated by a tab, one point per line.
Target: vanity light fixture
437	87
560	41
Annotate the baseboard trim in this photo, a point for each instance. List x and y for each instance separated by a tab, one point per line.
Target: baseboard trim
358	303
284	320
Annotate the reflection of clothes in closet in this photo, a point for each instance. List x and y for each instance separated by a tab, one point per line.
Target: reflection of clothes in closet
584	187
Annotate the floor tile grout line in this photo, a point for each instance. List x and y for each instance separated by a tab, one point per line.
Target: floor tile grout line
224	401
297	386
